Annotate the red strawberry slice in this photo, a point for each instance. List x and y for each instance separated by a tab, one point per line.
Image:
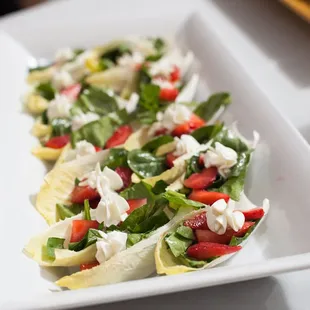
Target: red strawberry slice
169	159
88	266
72	91
203	179
198	222
254	214
206	197
125	173
58	142
160	132
135	204
205	250
195	122
210	236
119	136
175	74
168	94
80	228
80	193
94	203
201	160
97	148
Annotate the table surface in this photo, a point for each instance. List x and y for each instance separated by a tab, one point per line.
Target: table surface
273	45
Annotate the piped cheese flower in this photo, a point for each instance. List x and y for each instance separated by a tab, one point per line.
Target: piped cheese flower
64	54
130	61
62	79
162	83
130	105
222	157
82	119
185	144
110	244
59	107
222	214
82	148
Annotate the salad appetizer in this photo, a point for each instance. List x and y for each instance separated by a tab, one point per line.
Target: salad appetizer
146	178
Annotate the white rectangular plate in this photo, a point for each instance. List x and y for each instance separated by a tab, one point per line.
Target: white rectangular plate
280	169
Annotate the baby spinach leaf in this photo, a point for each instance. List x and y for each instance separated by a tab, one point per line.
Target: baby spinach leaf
117	158
144	77
154	57
60	127
207	109
149	97
114	53
155	143
121	117
177	200
159	187
206	133
46	90
138	191
48	251
159	44
146	117
106	63
145	164
95	100
192	166
90	238
97	132
64	212
177	244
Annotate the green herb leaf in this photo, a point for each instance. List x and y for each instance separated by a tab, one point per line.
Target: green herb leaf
138	191
146	117
145	164
87	210
159	44
39	68
206	133
155	143
144	77
46	90
97	132
48	251
185	232
105	63
192	166
191	262
90	238
149	97
60	127
114	53
177	244
237	240
64	212
117	158
177	200
159	187
206	110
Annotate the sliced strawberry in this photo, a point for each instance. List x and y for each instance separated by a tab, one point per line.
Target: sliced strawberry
119	136
125	173
80	228
80	193
94	203
58	142
201	160
160	132
194	122
138	66
206	197
97	148
210	236
135	204
168	94
203	179
169	159
198	222
88	266
175	74
72	91
205	250
254	214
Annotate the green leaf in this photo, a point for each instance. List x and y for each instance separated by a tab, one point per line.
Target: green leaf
95	100
44	118
155	143
138	191
159	43
46	90
121	117
64	212
97	132
206	110
149	97
87	210
234	184
154	57
192	166
133	239
206	133
114	53
117	158
177	244
177	200
145	164
60	127
105	63
237	240
185	232
159	187
39	68
229	139
146	117
144	77
191	262
90	238
48	251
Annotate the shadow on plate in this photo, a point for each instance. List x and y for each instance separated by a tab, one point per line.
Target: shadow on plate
277	32
255	295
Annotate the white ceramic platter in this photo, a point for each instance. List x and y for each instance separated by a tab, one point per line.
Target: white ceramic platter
280	168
